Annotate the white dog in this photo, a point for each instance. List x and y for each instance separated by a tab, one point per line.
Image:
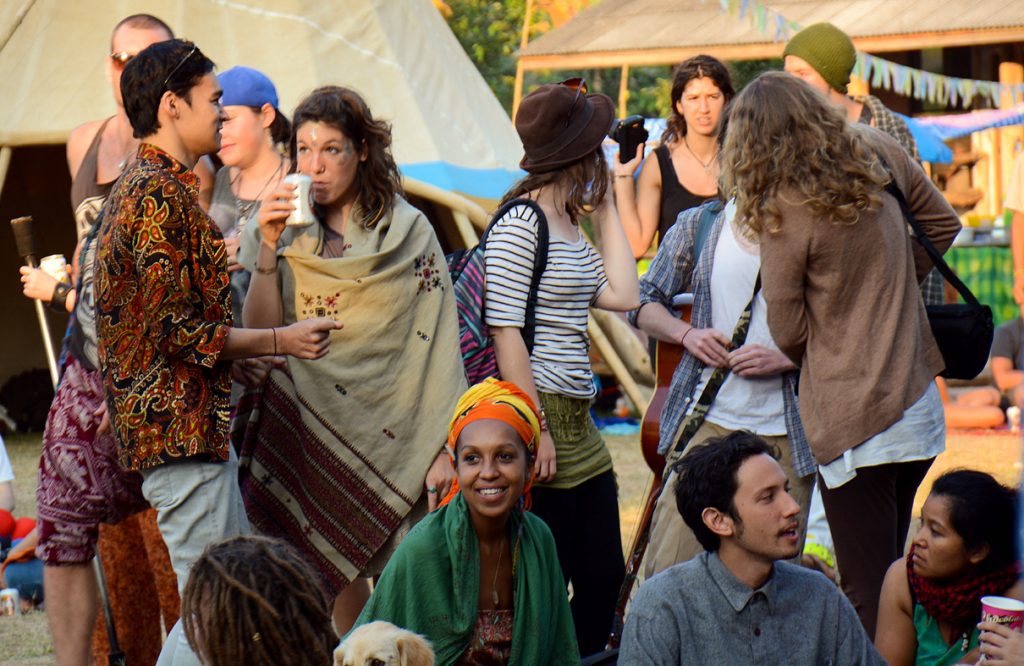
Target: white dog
383	644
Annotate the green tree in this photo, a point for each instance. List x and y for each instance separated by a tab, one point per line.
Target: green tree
490	31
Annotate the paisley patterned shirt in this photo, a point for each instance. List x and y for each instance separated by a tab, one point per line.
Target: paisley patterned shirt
163	314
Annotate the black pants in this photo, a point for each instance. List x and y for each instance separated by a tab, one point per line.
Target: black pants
869	518
585	523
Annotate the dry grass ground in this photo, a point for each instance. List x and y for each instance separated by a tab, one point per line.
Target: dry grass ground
25	641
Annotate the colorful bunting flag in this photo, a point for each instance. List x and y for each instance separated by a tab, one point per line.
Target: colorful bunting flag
882	73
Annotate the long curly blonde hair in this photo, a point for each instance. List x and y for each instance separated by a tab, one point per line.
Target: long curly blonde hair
785	135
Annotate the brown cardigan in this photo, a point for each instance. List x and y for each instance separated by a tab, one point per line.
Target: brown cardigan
844	305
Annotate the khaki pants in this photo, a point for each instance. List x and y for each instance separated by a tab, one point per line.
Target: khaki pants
673	542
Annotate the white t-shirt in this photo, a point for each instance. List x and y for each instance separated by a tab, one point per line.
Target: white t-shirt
748	403
6	471
919	435
571	282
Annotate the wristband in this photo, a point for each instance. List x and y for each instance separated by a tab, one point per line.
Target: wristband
59	299
624	175
274	331
684	336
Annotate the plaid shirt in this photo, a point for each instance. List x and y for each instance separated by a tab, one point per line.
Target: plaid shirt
932	290
672	272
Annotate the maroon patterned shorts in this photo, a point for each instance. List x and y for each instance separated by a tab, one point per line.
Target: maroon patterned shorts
81	483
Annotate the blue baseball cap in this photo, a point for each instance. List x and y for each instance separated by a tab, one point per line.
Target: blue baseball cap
245	86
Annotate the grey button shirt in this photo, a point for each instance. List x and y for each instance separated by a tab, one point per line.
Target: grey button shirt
698	613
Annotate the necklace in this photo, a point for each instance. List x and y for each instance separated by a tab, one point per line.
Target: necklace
497	570
708	164
245	209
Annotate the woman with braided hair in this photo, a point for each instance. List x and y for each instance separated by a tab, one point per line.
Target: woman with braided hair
479	576
931	600
253	600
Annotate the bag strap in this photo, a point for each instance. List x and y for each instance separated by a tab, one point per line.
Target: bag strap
709	212
695	419
894	189
540	262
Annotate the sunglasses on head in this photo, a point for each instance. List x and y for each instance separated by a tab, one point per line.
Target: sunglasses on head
121	58
174	71
579	84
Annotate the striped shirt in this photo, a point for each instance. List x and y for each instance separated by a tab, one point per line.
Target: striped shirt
569	285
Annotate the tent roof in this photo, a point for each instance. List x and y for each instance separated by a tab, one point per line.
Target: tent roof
448	127
618	32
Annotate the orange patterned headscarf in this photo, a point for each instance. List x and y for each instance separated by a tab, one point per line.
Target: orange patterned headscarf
501	401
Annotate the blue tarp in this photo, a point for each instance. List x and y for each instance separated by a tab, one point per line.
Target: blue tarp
480	183
929	142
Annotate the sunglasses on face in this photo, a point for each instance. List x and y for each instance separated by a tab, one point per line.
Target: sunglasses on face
121	58
180	63
579	84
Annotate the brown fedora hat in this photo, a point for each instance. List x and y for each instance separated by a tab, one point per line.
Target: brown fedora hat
560	124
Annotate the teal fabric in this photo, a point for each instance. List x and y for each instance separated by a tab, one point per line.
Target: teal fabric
431	586
931	646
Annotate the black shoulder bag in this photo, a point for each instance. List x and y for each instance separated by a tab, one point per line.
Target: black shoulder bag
963	331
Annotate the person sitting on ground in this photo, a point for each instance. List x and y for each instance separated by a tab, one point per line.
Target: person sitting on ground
931	600
479	577
254	600
737	603
1007	363
19	566
6	480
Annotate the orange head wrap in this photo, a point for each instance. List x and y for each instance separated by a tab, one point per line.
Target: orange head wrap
501	401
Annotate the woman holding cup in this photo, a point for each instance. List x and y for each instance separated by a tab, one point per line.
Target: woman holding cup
931	601
341	457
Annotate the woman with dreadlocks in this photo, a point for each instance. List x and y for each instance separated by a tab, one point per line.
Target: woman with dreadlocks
479	577
253	600
964	550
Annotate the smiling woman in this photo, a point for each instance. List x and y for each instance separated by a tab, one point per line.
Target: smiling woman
479	577
964	550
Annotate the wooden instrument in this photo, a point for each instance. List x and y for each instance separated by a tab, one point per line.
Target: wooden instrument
666	358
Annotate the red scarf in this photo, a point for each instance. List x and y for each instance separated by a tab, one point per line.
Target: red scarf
958	602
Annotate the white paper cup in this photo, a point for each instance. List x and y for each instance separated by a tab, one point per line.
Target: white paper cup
1004	611
302	216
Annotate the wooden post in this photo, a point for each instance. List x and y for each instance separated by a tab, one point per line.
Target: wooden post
624	92
1010	73
517	91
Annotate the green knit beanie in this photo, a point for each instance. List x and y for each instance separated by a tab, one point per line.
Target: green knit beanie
828	50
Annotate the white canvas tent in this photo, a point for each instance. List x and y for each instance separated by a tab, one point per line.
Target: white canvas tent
449	130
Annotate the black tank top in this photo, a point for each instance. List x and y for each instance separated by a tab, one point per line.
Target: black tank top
87	199
88	196
674	197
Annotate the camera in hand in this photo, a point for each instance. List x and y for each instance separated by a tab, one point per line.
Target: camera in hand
628	133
